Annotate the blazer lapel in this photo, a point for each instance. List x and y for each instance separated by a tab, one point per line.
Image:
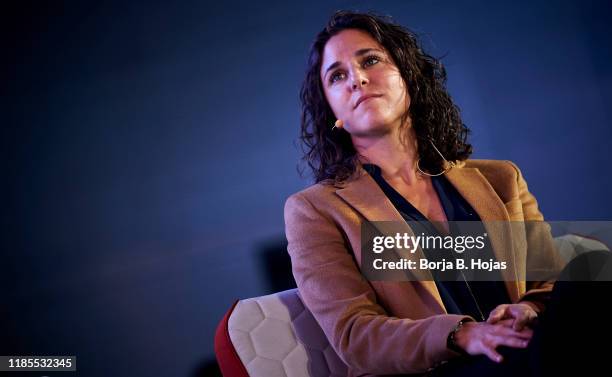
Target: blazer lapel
364	194
477	191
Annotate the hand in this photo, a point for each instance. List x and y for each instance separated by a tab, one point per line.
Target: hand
481	338
521	314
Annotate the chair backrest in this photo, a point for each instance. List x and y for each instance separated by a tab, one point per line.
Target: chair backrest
572	245
274	336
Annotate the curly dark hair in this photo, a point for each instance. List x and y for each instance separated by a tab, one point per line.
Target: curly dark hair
331	154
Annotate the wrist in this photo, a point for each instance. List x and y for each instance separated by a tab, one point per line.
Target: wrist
452	339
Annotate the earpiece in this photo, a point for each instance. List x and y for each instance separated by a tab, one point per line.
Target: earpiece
339	123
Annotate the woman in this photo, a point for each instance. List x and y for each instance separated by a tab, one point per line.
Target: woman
386	143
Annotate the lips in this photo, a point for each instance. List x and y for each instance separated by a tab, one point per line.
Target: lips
365	97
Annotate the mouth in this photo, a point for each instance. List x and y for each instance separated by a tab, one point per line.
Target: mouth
366	97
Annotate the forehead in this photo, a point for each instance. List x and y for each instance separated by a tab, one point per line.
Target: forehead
344	44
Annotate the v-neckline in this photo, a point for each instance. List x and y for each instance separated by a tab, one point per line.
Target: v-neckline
399	198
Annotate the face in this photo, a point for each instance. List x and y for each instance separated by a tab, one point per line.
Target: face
362	85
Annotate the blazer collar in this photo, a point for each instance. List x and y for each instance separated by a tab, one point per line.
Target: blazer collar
364	195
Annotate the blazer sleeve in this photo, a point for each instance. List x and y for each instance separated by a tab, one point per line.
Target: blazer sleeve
345	305
542	254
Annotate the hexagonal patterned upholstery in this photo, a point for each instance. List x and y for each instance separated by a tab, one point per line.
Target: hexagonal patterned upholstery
276	336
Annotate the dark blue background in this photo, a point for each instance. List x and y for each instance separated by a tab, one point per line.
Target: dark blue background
148	150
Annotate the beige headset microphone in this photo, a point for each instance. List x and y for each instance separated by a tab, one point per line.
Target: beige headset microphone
339	124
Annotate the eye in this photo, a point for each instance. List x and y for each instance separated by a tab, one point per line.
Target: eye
335	77
371	60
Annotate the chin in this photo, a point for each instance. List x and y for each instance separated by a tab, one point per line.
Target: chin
370	128
374	119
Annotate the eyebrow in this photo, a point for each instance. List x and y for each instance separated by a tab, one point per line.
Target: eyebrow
360	52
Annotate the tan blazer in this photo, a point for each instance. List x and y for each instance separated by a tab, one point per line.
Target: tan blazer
390	327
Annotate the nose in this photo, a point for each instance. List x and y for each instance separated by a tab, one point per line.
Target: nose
359	80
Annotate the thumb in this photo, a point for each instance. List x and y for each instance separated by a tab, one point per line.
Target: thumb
495	315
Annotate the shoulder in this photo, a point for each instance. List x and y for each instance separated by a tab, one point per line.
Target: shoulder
495	170
312	197
504	176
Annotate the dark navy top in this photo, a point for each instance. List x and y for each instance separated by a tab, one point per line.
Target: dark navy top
474	298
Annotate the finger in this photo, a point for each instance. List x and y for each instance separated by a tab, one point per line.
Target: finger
521	322
511	342
523	315
506	322
526	333
500	311
492	354
503	331
497	314
530	319
518	324
493	315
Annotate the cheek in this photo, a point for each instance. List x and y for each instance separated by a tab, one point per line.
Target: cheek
399	91
397	84
337	101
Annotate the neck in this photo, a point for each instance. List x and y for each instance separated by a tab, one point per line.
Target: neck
397	160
